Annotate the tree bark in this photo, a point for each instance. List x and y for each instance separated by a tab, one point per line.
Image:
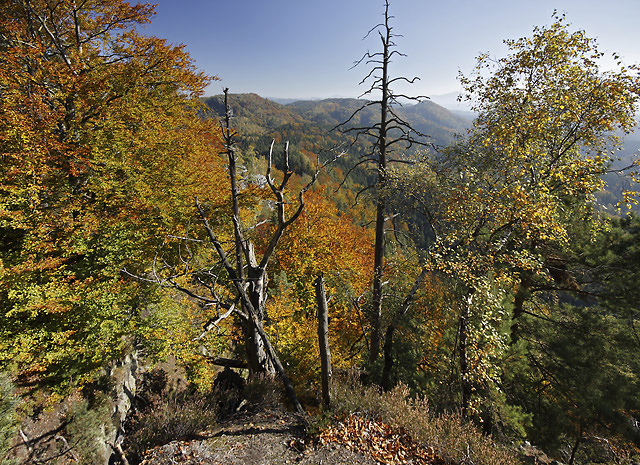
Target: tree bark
388	358
518	307
465	383
257	355
576	446
323	341
378	251
258	360
279	368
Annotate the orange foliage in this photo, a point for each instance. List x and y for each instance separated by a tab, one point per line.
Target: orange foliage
101	154
322	240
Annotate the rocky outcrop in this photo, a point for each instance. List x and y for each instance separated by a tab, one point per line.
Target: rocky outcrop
125	373
79	429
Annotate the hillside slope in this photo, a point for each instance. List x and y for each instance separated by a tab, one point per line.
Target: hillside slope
255	115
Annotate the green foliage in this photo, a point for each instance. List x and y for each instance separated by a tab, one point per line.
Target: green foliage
505	212
584	376
8	419
582	349
614	260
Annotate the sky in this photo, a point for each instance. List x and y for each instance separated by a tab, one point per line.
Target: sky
305	49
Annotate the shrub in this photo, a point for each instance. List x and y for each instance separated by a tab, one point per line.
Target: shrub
263	392
165	415
456	440
8	420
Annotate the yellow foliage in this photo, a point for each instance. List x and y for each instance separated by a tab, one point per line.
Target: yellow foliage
322	241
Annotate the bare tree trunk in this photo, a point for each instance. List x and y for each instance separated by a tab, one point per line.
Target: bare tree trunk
390	130
258	360
323	342
378	263
388	358
228	136
576	446
279	368
257	354
378	251
518	306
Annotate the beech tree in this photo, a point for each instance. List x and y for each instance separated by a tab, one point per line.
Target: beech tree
546	124
502	204
322	241
100	143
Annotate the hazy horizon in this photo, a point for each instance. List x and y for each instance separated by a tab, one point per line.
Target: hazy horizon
291	49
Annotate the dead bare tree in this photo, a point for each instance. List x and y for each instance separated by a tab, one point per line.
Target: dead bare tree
388	132
236	284
323	341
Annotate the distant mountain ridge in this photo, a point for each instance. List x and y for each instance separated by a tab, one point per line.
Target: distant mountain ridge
257	115
309	127
308	124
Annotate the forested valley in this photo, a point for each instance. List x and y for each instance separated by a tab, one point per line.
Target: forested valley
403	284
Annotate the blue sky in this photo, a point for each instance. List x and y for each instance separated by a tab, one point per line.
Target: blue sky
305	49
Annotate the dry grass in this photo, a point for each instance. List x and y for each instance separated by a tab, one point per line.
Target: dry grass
456	440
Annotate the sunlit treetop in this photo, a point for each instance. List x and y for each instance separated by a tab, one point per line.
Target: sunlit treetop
544	135
101	154
550	94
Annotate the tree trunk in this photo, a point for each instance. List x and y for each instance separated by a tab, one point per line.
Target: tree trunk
257	355
279	368
388	358
464	359
378	252
376	304
323	342
518	307
576	446
258	360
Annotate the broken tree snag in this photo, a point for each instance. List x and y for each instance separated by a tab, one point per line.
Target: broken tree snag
323	341
227	362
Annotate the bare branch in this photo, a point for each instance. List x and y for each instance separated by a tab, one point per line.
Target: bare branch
213	323
353	115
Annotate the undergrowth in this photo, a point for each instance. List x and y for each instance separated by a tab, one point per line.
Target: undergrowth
163	415
456	440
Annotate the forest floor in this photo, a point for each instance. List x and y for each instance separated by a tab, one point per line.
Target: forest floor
268	437
275	437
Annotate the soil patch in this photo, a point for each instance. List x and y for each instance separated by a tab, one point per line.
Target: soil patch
266	438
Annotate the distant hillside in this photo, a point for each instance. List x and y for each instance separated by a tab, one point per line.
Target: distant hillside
309	128
430	118
331	112
254	115
426	117
259	116
308	125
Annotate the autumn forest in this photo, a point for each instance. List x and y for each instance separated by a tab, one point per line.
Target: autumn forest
158	246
